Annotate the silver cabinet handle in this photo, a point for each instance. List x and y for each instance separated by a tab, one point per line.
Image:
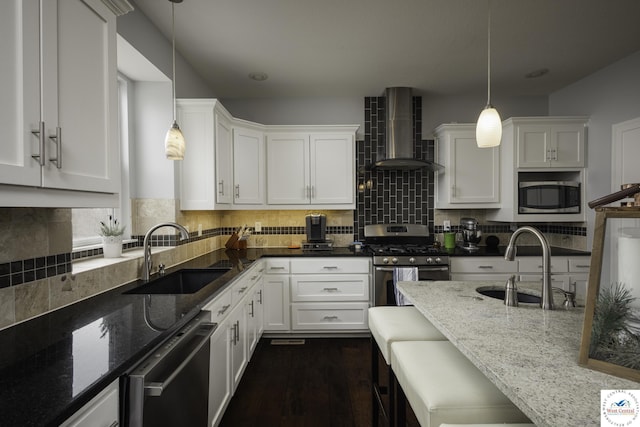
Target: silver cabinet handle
330	289
251	313
583	266
114	424
313	192
40	134
242	289
223	309
276	268
221	185
237	331
57	139
330	267
260	299
330	317
237	191
484	267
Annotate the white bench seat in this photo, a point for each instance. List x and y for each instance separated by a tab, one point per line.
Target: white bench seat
443	386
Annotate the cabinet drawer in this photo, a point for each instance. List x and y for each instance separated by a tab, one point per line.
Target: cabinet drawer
483	265
276	266
330	287
330	265
533	264
240	289
219	307
580	265
329	316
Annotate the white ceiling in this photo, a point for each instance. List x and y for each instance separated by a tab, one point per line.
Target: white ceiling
313	48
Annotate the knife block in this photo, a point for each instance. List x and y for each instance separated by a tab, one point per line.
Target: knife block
234	243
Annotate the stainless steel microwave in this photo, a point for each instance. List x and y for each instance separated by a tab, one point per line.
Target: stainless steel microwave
553	197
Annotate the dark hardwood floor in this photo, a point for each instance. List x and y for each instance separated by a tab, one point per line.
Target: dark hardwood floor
323	383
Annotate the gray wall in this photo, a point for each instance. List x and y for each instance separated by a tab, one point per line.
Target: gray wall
609	96
142	34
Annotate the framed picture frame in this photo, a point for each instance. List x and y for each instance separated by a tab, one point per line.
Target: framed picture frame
611	333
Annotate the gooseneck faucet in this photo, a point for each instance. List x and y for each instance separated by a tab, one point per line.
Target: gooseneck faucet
146	244
547	297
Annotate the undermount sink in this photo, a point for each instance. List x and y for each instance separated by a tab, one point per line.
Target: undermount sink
498	293
186	281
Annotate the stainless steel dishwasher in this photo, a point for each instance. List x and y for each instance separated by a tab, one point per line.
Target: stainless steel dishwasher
170	387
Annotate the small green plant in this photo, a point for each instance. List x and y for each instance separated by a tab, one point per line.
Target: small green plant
615	337
112	228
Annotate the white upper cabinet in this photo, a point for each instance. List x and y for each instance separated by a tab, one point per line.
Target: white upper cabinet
311	168
471	175
549	143
248	166
63	133
205	172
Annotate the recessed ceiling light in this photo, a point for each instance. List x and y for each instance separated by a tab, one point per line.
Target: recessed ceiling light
537	73
259	77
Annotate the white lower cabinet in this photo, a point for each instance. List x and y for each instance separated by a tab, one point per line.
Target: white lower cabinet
329	316
101	411
569	273
275	282
220	390
482	268
238	313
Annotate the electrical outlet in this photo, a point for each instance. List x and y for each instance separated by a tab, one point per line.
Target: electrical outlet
446	224
258	227
199	230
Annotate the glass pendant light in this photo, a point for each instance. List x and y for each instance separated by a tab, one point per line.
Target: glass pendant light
489	126
174	144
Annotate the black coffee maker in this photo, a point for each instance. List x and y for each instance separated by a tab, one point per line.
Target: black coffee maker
316	228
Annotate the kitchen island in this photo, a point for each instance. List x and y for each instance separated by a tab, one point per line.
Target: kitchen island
530	354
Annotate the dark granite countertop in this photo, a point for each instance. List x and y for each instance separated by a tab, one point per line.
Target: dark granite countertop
53	364
520	251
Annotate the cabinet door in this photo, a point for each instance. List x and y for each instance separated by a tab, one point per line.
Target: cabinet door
80	102
224	156
534	146
288	169
248	166
474	172
219	373
20	88
197	189
567	148
237	328
331	169
276	302
101	411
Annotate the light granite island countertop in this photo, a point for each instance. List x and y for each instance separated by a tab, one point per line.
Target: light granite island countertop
530	354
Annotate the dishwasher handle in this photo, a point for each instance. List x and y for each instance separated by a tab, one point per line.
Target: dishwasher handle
202	333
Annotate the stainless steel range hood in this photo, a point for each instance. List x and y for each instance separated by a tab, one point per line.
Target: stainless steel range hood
399	144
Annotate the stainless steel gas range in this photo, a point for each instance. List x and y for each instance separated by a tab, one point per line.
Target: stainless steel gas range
402	245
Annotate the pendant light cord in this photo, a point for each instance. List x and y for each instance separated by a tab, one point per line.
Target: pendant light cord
173	58
489	55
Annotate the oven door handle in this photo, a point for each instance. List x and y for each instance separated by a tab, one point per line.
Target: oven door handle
421	268
204	331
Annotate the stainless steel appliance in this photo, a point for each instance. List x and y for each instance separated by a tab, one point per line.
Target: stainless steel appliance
171	386
402	245
554	197
470	234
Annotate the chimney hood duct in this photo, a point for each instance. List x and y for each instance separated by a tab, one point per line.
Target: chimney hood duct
399	144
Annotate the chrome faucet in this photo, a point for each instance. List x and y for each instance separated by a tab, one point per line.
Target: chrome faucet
547	297
146	245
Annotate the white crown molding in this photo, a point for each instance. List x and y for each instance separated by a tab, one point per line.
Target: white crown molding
119	7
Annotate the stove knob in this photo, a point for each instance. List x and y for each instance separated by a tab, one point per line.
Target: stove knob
412	260
385	260
438	260
429	260
394	260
